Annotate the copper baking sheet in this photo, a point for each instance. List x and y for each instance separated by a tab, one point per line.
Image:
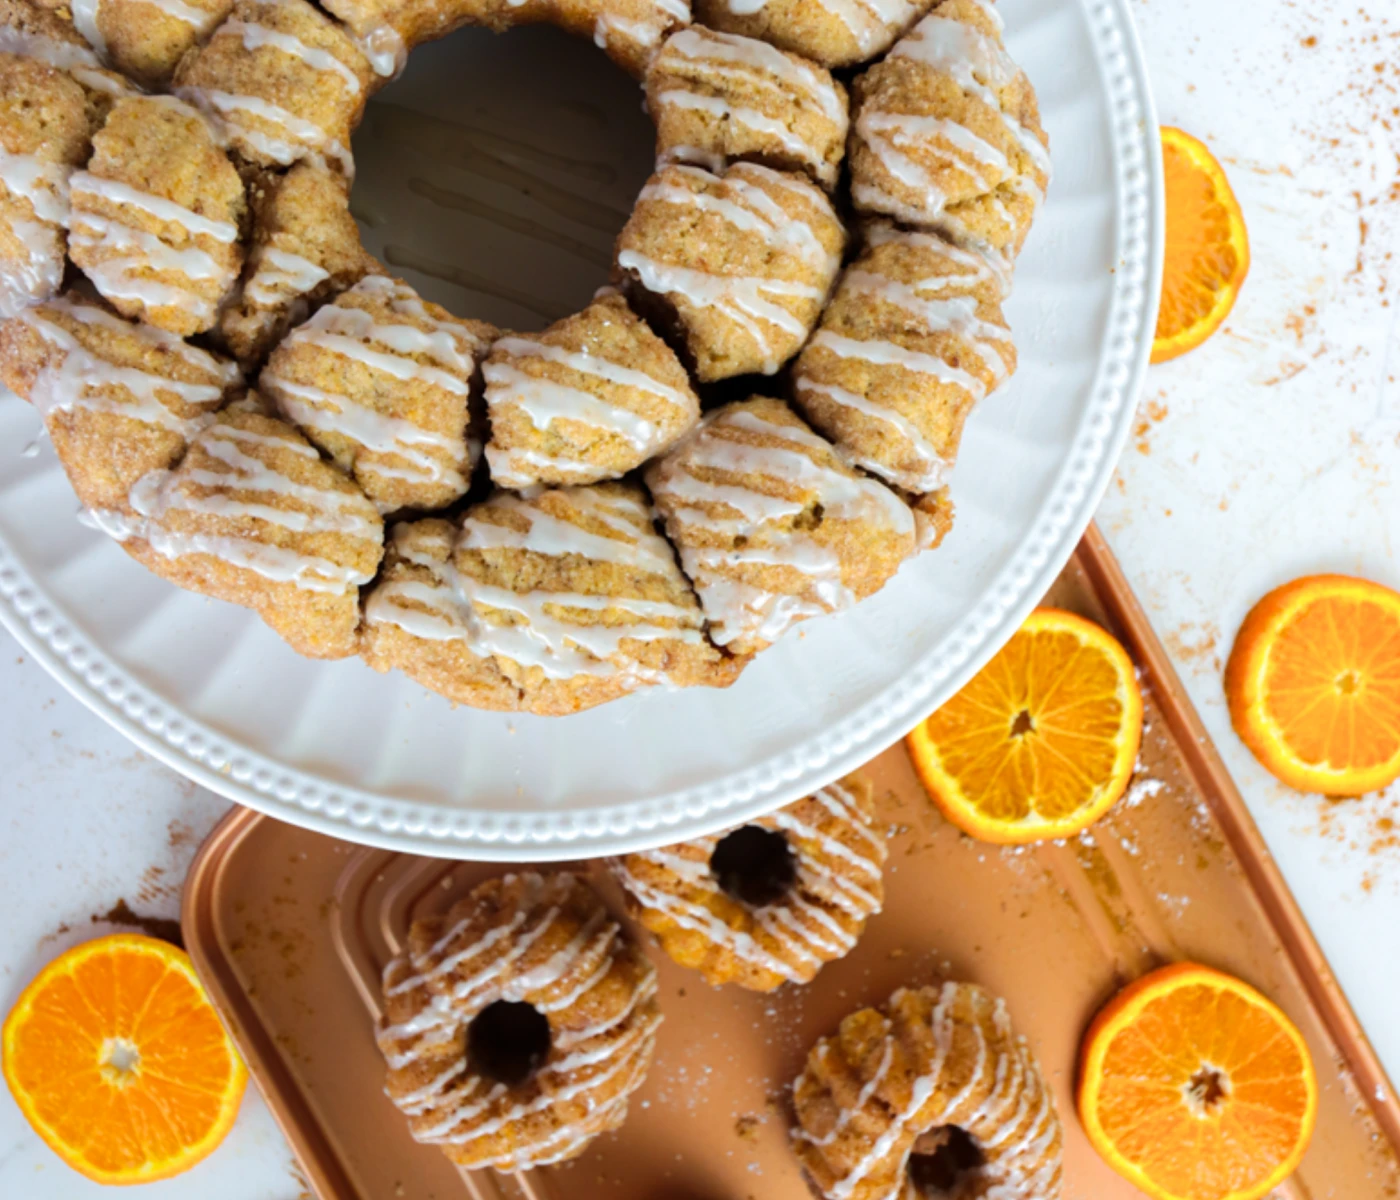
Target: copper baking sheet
290	929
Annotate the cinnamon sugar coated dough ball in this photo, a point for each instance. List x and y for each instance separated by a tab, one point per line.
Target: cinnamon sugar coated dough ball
305	247
836	33
144	39
892	1080
34	32
590	398
770	902
946	132
283	81
118	399
913	338
43	137
157	215
252	515
718	98
517	1025
549	605
739	263
771	525
386	384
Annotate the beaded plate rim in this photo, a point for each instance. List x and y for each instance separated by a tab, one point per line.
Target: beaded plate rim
242	774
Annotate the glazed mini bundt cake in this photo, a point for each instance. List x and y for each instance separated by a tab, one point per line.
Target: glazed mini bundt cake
45	136
157	214
718	98
913	338
945	132
551	604
770	902
516	1026
932	1087
772	526
386	384
528	475
592	397
741	263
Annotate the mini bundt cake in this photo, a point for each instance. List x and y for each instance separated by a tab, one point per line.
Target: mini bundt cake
282	81
516	1026
548	605
945	132
590	398
769	902
253	515
932	1086
741	262
119	400
913	337
157	214
384	383
144	39
718	98
305	248
772	526
836	33
44	137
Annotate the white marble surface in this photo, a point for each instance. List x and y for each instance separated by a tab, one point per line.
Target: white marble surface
1271	452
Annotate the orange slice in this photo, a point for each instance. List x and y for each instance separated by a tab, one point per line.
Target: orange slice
1042	741
117	1059
1193	1086
1313	684
1207	247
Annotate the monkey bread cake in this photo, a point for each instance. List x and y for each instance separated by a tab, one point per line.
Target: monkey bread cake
516	1026
932	1083
528	520
770	902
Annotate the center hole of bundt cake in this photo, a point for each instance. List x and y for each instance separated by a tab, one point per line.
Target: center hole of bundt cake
508	1041
495	174
754	865
942	1162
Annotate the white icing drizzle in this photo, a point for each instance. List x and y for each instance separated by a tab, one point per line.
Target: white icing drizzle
117	256
459	1108
232	116
279	274
384	46
534	629
871	23
736	603
795	935
980	65
82	380
85	21
42	187
256	37
321	511
544	401
710	59
1002	1103
392	348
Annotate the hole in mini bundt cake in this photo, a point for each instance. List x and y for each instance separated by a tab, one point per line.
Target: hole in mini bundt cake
942	1162
754	865
508	1041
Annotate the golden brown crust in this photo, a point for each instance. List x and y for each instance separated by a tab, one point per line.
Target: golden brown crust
145	41
818	29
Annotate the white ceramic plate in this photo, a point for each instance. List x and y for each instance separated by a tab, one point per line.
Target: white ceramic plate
505	203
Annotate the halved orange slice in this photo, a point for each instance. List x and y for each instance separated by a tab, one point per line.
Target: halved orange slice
119	1062
1207	256
1193	1086
1313	684
1042	741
